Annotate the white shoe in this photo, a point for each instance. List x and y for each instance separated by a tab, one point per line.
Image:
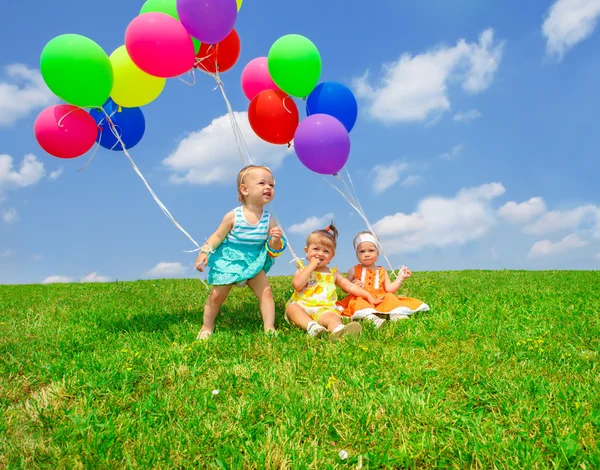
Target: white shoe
398	316
351	329
315	330
377	322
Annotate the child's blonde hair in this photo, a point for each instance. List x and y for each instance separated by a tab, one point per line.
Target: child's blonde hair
327	236
243	173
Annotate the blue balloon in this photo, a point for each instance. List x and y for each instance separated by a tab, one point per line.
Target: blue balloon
129	123
336	100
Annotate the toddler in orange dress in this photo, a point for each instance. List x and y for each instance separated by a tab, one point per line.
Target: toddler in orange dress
376	281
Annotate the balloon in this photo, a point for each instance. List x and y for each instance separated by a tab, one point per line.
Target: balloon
129	123
273	116
239	4
336	100
168	7
209	21
65	131
77	70
223	55
295	65
256	78
159	45
322	144
133	87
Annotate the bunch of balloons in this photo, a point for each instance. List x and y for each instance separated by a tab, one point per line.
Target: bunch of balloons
293	69
169	38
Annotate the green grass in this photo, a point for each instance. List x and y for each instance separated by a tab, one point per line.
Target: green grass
501	373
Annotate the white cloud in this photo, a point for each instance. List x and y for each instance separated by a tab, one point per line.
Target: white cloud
95	277
29	173
56	279
441	222
553	221
164	269
415	88
598	256
455	152
385	176
546	247
55	174
10	215
211	155
311	224
5	253
569	22
522	212
411	180
467	116
23	92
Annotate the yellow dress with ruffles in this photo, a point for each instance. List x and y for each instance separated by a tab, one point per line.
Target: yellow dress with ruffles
319	296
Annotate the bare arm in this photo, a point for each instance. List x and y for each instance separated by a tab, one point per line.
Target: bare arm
351	288
216	238
302	276
392	287
276	233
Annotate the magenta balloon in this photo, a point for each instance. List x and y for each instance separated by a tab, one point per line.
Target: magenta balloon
209	21
65	131
159	45
256	78
322	144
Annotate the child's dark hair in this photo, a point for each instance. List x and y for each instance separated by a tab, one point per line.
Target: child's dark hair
327	236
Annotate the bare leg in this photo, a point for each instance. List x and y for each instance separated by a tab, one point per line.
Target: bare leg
298	316
217	296
330	320
261	288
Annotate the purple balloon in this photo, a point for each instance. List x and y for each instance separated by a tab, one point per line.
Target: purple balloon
322	144
209	21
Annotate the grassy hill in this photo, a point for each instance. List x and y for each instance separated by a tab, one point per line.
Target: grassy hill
502	372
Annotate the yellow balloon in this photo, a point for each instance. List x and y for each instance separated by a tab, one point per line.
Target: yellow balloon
239	2
132	87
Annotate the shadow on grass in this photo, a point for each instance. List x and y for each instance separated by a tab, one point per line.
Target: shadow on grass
237	315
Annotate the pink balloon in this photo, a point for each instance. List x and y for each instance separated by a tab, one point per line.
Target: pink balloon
65	131
159	45
256	78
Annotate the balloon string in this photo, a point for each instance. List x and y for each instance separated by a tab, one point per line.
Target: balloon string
355	204
93	154
364	216
193	82
242	145
59	124
139	173
284	106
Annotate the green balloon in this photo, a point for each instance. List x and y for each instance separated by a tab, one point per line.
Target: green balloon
295	65
168	7
77	70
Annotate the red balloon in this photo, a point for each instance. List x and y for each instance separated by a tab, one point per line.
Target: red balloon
273	116
65	131
222	55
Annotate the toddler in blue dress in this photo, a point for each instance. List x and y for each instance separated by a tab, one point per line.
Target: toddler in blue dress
243	248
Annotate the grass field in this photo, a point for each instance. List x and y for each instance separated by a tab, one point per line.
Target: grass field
501	373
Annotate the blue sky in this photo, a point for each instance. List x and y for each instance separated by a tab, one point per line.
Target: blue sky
476	145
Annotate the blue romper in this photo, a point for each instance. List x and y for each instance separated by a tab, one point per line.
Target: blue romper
242	255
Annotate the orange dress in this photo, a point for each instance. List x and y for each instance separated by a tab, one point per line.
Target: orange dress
374	280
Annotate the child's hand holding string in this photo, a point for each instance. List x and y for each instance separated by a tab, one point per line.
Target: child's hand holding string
277	234
404	273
